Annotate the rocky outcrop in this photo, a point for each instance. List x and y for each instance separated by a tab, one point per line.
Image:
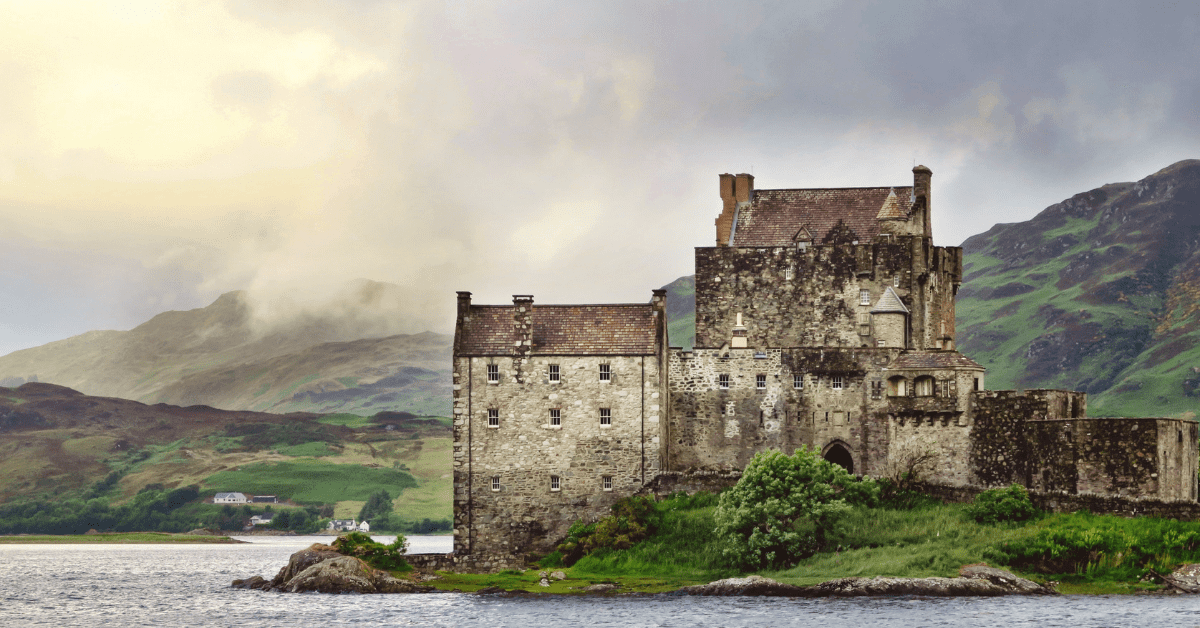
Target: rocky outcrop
322	569
973	580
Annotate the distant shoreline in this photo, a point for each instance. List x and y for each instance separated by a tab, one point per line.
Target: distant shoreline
113	537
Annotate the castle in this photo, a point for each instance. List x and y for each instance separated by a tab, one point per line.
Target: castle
824	318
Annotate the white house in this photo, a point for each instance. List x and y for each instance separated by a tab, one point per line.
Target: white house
262	519
342	525
364	527
229	498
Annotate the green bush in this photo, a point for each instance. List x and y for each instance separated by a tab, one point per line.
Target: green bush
782	507
389	557
998	505
632	519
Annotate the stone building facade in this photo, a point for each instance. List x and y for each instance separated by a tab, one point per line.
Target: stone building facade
824	319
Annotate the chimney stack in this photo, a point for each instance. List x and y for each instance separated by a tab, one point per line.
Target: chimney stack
522	324
736	191
464	303
738	341
922	177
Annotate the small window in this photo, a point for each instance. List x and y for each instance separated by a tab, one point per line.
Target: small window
605	372
864	297
760	381
879	343
493	373
555	417
493	417
495	484
896	280
977	384
605	417
787	274
723	381
554	374
876	389
923	386
837	382
798	380
555	484
607	480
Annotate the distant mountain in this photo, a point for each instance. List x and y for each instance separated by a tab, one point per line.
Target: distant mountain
339	357
1100	293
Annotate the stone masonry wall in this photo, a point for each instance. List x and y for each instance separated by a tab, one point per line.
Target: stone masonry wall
526	450
1178	459
810	298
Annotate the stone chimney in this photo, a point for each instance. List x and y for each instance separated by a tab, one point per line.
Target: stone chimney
522	324
922	177
738	340
659	300
464	304
736	192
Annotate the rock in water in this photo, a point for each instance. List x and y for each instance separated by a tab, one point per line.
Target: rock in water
972	580
322	569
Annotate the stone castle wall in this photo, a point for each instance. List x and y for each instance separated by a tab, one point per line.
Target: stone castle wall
525	513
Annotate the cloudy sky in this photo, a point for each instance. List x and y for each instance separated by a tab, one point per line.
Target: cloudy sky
154	155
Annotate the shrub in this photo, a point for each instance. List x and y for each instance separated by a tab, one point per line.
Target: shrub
998	505
632	519
375	554
782	506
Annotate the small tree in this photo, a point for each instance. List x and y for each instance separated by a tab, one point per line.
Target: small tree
379	503
781	507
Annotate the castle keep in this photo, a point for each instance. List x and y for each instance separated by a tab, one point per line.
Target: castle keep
824	318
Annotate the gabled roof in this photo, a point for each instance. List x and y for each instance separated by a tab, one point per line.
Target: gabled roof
933	360
775	216
624	329
229	495
889	302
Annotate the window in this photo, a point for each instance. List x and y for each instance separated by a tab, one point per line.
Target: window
493	373
896	280
555	417
554	377
837	382
864	297
787	274
876	389
798	380
760	381
605	373
880	343
493	417
977	384
495	483
555	484
723	381
607	480
864	324
897	387
923	386
605	417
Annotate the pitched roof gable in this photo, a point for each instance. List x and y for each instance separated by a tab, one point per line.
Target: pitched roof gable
774	217
623	329
889	302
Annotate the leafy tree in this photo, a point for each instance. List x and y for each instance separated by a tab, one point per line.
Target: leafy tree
780	509
379	503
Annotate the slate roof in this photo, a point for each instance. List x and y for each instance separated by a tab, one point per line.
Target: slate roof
889	302
775	216
934	360
563	330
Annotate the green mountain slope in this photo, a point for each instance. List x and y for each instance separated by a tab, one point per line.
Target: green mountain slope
339	360
1097	293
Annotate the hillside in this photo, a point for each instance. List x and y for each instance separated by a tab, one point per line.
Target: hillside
56	444
340	359
1099	293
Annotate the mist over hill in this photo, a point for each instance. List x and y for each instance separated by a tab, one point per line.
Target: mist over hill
339	355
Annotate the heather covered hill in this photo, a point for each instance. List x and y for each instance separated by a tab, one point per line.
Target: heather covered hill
342	357
1099	293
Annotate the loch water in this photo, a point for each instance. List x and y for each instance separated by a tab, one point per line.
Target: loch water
188	585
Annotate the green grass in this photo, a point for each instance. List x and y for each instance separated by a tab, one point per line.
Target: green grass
345	419
311	481
312	449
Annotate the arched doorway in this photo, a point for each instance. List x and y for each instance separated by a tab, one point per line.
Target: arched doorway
838	454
